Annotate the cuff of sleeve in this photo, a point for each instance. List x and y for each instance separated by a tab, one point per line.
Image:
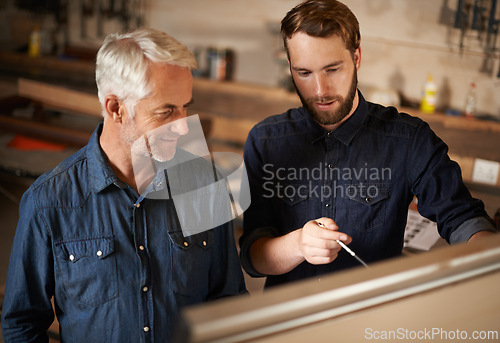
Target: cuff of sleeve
246	242
471	227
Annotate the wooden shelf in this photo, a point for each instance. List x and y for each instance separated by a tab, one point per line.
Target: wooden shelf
234	108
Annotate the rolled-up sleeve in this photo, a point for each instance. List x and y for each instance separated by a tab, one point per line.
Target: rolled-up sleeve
437	182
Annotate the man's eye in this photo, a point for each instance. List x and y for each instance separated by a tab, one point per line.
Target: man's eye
331	70
165	113
303	73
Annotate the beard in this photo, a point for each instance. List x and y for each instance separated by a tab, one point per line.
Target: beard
158	144
161	150
153	147
334	116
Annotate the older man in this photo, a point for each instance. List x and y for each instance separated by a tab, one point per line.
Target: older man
101	233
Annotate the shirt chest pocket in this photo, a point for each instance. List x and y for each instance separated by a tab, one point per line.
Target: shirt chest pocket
190	264
295	202
87	269
367	206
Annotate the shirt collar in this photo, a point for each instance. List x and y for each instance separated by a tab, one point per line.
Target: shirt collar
100	173
347	131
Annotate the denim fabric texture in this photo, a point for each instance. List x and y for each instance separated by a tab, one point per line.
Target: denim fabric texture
117	264
363	175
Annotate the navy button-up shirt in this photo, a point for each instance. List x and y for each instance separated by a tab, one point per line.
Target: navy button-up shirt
117	264
363	175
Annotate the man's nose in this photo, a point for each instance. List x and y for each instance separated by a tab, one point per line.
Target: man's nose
180	126
321	86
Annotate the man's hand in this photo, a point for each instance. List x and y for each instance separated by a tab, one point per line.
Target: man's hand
312	243
317	244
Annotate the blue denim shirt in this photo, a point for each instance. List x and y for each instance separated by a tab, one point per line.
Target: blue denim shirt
117	264
363	175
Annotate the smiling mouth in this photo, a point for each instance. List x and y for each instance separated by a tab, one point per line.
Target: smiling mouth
166	138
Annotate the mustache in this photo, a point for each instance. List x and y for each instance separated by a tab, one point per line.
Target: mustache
309	101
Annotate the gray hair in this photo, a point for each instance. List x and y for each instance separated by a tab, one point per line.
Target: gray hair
123	61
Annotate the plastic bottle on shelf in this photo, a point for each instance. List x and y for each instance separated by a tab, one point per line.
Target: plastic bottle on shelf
471	102
34	42
429	96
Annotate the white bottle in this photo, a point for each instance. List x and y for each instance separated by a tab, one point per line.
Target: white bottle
471	102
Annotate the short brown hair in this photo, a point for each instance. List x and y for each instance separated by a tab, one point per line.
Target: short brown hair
322	18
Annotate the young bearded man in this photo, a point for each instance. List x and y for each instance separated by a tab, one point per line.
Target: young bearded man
341	168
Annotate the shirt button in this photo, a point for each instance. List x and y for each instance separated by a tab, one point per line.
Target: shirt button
138	205
146	328
329	134
368	200
71	257
159	184
99	253
204	243
327	205
186	244
145	289
141	247
330	166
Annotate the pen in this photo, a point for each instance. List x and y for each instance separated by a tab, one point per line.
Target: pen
347	248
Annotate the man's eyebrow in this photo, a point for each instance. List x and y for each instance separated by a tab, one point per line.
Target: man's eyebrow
299	69
172	106
333	64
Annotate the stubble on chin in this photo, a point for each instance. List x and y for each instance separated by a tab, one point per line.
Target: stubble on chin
334	116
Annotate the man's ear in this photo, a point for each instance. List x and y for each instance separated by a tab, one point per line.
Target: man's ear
357	58
112	105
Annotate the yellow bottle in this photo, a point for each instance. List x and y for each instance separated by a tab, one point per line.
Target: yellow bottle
429	96
34	43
